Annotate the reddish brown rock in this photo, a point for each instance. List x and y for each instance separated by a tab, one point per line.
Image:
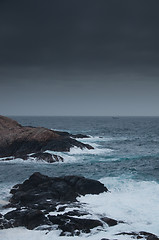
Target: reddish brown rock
17	140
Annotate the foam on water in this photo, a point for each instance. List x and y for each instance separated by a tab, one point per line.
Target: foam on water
131	201
73	155
93	139
30	161
97	151
22	233
135	203
4	191
76	153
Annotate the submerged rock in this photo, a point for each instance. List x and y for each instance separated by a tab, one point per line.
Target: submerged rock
18	141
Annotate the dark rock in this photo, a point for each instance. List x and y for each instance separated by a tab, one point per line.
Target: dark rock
29	218
40	188
18	141
72	224
39	195
85	186
111	222
79	136
67	134
140	235
105	239
47	157
149	236
4	223
75	213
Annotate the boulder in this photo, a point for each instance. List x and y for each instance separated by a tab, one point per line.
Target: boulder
40	188
74	225
109	221
28	218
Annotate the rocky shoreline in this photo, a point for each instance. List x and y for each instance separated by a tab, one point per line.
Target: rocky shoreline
38	198
51	203
17	141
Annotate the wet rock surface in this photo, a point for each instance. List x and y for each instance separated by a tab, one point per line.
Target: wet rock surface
140	235
43	201
47	157
49	203
40	188
19	141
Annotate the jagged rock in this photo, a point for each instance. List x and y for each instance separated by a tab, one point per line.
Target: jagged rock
47	157
111	222
37	197
140	235
28	218
4	223
39	188
72	135
73	225
17	140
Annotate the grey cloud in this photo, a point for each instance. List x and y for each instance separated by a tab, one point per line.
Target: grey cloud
54	52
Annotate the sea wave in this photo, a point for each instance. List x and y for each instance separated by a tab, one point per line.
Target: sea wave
96	151
134	202
102	139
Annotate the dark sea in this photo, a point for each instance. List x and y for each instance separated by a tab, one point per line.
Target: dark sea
125	158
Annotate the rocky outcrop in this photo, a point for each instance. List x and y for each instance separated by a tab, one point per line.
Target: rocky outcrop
38	197
71	135
17	140
140	235
47	157
40	188
49	203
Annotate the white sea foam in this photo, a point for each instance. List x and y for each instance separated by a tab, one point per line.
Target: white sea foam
96	139
76	153
134	202
24	234
97	151
18	160
60	130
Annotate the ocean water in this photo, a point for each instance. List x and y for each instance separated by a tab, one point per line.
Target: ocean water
125	158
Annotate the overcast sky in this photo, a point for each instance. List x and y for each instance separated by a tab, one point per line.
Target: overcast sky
79	57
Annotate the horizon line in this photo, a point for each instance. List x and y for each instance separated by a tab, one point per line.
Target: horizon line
113	116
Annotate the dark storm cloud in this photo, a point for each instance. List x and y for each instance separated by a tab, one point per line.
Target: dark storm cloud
79	57
79	32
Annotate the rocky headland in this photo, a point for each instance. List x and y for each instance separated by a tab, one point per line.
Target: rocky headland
25	141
